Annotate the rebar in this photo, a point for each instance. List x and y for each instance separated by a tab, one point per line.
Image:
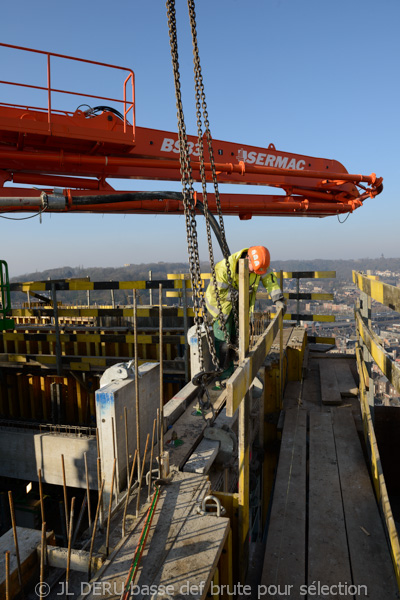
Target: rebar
42	560
110	507
126	442
99	485
41	495
158	441
65	493
7	560
14	528
128	493
94	530
151	459
70	529
141	475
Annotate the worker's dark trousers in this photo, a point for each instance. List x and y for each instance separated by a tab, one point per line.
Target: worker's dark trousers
225	354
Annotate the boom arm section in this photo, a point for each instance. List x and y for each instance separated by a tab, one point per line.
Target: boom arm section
311	186
81	152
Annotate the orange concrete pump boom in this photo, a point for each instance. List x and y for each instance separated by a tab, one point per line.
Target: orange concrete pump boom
78	153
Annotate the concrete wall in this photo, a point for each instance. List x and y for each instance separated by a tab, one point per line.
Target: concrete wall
111	400
23	452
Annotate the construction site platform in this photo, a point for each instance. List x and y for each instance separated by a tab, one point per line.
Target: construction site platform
325	535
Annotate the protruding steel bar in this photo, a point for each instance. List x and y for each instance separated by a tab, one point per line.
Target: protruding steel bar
110	507
94	530
151	458
161	376
14	528
87	489
65	493
99	486
70	529
128	493
42	560
141	475
126	442
7	565
41	495
136	380
158	441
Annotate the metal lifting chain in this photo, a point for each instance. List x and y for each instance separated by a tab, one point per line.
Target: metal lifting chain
202	105
188	197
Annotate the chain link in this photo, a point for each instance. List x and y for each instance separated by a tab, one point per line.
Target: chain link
189	202
188	198
201	104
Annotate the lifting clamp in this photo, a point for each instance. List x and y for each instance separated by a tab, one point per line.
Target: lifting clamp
202	380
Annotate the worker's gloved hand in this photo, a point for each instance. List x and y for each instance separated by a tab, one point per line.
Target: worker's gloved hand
282	305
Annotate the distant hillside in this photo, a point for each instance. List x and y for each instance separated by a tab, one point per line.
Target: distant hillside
127	273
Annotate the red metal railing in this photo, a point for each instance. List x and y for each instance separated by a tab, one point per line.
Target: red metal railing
127	102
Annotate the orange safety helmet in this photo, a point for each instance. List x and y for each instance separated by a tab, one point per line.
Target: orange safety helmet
259	258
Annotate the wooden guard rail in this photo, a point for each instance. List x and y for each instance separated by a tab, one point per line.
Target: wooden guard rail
371	349
298	296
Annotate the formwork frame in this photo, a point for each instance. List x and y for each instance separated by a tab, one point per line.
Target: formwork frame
371	349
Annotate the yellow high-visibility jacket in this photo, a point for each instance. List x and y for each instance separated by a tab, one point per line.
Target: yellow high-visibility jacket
269	280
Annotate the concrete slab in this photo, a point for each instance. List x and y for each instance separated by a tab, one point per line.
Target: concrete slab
28	541
202	458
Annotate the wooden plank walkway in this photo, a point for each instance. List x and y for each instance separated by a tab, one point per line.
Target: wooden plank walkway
325	528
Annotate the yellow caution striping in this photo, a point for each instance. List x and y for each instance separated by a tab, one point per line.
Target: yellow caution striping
385	294
390	368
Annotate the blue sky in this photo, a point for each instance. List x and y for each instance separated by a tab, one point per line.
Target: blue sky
313	77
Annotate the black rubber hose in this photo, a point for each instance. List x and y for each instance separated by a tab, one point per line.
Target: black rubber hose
125	197
138	196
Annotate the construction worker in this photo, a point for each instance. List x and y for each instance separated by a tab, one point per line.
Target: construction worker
259	260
